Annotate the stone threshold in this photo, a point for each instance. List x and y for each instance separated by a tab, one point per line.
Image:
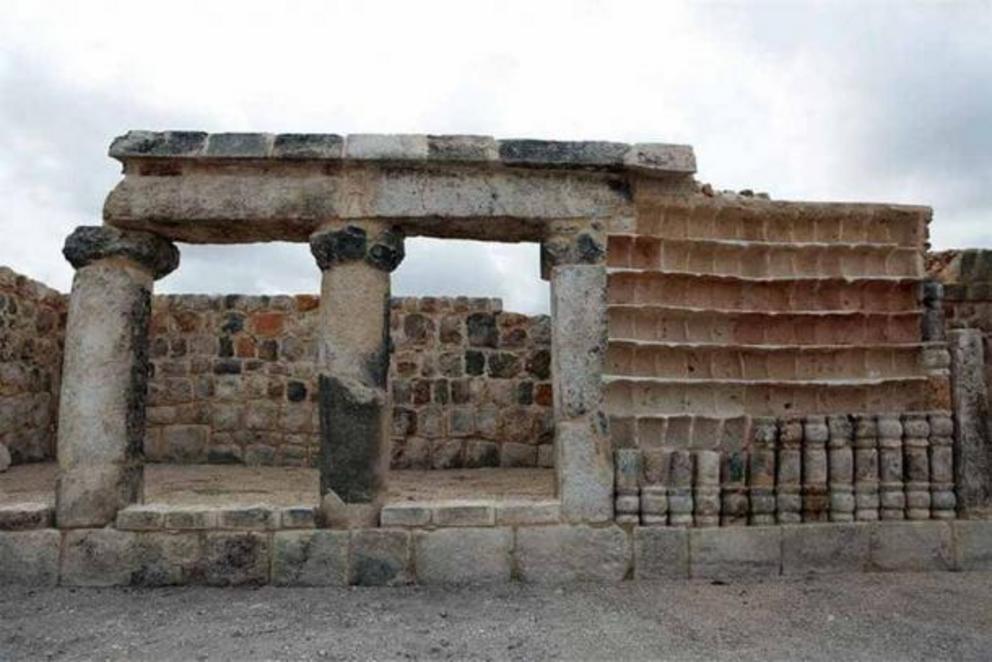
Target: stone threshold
471	555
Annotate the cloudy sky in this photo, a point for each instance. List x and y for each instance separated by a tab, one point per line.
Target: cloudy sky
873	101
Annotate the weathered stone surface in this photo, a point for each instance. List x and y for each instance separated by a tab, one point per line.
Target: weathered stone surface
561	554
239	145
158	144
192	518
385	147
298	517
380	557
911	546
973	447
661	552
527	512
248	517
90	243
141	518
825	548
463	556
29	557
585	472
321	146
462	148
165	559
735	552
578	305
24	516
98	557
352	424
972	545
659	156
5	459
561	153
310	558
405	514
464	513
233	559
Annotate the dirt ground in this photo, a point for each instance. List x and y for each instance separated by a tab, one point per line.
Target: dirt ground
217	485
939	616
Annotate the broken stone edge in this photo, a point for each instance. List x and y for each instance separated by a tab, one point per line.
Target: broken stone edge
651	158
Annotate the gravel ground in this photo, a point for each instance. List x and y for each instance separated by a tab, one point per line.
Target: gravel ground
939	616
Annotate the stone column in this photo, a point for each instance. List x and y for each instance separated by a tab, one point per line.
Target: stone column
972	450
105	371
356	260
574	259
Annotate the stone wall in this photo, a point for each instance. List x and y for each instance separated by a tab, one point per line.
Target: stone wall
234	380
32	327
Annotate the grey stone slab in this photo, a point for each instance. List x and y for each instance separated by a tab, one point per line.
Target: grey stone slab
24	516
98	557
477	149
380	557
528	512
825	548
973	544
29	558
239	145
911	546
141	518
562	153
463	556
158	144
321	146
405	514
661	157
464	513
386	147
661	552
572	553
310	558
735	552
233	559
165	559
189	518
247	517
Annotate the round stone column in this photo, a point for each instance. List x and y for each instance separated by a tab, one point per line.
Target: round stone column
356	260
573	258
105	371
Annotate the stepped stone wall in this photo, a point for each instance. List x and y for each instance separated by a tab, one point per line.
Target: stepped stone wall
234	380
32	328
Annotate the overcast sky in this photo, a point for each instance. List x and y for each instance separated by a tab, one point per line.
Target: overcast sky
869	101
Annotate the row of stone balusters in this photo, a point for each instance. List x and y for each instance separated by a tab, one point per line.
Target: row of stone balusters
812	469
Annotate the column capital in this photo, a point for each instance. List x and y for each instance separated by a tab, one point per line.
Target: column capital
90	243
382	250
585	244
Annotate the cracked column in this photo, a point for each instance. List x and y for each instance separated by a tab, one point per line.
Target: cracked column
105	371
356	260
573	258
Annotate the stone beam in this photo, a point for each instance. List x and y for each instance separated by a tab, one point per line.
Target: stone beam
228	188
105	369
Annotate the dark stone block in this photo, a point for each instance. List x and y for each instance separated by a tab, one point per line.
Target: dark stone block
460	148
238	145
586	154
421	391
387	251
324	146
441	391
475	362
482	330
539	364
296	391
351	443
149	143
589	250
268	350
225	347
461	391
503	365
418	329
525	393
233	323
227	367
329	248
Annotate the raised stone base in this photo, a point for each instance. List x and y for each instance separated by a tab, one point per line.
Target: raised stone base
546	554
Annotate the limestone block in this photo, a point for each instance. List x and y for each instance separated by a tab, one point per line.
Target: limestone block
561	153
706	488
462	148
911	546
734	504
248	517
866	468
628	471
584	469
680	501
972	450
463	556
661	553
310	558
973	544
141	518
815	495
98	557
29	557
297	517
659	156
189	518
239	145
840	459
380	557
322	146
735	552
233	559
464	513
5	459
788	483
151	143
380	147
891	495
527	512
165	559
579	338
405	514
762	471
825	548
572	553
24	516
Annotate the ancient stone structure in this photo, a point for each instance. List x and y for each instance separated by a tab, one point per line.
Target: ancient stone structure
727	385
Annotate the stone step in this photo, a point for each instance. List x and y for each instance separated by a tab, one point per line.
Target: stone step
631	286
764	259
703	361
654	322
653	396
762	220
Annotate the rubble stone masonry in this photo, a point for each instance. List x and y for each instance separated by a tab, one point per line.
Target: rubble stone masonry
32	325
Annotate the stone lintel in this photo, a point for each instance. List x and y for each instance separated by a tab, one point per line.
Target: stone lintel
649	158
90	243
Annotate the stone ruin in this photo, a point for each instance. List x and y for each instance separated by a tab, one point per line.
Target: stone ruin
726	386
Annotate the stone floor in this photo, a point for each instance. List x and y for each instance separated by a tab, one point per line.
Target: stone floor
226	485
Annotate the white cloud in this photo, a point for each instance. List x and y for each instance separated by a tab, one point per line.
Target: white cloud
885	101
